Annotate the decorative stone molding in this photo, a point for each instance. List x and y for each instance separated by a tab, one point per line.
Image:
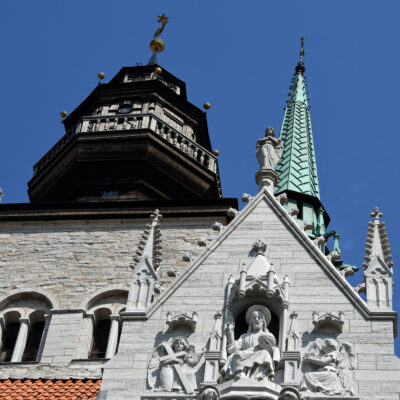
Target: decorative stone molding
281	198
181	320
217	226
319	241
307	226
294	211
202	242
187	257
246	198
333	256
232	212
328	319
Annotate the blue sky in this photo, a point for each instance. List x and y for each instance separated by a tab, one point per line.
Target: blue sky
240	59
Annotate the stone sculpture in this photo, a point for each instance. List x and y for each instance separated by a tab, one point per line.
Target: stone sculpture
269	150
172	366
255	354
333	363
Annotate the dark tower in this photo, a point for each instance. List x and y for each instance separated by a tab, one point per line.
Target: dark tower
134	138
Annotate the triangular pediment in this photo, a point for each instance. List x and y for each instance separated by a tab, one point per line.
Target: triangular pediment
268	218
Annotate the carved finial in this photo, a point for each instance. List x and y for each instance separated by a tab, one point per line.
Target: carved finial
1	194
376	215
260	246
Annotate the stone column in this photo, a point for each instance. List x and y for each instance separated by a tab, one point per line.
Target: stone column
113	336
21	340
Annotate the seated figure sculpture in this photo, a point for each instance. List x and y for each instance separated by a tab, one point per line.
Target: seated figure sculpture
255	354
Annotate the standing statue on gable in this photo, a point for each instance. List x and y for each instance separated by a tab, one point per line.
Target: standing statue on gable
334	363
172	367
255	354
269	150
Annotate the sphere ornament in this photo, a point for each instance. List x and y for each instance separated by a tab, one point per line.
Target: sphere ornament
216	153
207	106
158	70
157	45
101	75
63	114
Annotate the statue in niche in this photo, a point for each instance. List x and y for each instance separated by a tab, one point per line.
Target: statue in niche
333	362
255	354
173	366
269	150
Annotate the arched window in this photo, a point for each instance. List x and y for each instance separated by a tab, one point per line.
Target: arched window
101	327
23	326
101	333
37	322
9	335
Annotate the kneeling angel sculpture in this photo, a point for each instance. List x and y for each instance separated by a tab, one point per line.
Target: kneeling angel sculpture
172	366
255	354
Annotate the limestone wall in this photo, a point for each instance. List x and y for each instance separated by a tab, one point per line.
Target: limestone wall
70	263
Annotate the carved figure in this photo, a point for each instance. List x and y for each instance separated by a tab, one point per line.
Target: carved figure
255	355
269	150
171	367
334	362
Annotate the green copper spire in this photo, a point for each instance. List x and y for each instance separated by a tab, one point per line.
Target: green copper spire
297	169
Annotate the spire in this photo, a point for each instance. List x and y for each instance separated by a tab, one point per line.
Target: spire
297	169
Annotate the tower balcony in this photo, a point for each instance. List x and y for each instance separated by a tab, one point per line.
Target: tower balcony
139	155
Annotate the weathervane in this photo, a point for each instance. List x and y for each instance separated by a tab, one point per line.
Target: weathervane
164	21
157	45
302	49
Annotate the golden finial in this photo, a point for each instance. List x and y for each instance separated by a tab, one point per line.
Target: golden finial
101	75
63	114
158	70
216	153
207	106
157	45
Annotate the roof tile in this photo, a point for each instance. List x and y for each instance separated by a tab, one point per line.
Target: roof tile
49	389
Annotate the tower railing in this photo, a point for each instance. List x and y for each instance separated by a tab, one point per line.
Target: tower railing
129	124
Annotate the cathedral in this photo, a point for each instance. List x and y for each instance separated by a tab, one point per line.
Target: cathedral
129	277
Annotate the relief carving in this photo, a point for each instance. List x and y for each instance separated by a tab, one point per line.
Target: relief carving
331	364
255	354
173	366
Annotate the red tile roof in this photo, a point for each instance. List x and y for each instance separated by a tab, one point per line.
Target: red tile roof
49	389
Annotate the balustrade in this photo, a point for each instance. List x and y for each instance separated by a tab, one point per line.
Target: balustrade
134	122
